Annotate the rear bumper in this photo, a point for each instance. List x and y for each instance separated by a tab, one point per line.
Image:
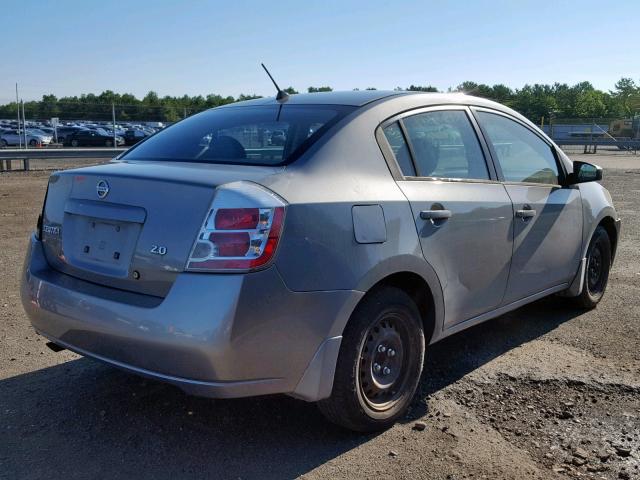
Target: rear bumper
212	335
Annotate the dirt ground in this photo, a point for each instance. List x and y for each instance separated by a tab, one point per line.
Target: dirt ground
546	391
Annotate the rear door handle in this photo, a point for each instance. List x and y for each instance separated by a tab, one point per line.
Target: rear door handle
435	214
526	212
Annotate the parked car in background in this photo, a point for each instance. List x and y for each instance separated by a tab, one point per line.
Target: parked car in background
324	269
16	137
65	131
91	138
46	130
278	138
134	135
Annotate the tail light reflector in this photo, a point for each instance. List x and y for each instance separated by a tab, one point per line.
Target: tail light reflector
238	237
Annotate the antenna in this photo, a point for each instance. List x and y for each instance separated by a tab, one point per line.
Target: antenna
282	96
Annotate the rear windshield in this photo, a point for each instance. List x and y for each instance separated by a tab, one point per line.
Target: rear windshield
256	135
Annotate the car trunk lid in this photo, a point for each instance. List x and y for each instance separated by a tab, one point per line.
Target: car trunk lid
131	225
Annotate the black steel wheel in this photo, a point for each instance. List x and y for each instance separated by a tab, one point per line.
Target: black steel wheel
596	275
383	372
379	363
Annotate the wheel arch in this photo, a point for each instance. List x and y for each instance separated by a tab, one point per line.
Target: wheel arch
609	224
419	280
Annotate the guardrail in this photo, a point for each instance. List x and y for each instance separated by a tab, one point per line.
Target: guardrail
9	156
591	144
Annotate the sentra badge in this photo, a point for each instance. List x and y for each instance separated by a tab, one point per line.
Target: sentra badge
51	230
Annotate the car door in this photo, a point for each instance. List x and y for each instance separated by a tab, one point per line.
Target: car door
12	137
547	222
463	215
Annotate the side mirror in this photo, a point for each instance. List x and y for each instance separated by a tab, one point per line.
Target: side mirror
584	172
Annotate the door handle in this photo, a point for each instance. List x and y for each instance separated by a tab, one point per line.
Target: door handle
435	214
526	212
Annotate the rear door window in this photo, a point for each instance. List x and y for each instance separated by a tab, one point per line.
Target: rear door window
444	145
253	135
400	150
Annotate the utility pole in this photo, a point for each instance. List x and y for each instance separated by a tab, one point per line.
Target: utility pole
24	124
185	113
18	109
113	118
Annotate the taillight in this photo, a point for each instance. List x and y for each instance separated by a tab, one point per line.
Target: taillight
237	218
235	235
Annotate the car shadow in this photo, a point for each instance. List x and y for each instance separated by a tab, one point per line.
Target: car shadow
83	419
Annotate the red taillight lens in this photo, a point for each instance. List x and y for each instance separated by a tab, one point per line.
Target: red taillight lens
231	244
237	218
251	244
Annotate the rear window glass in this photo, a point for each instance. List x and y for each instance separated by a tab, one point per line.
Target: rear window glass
257	135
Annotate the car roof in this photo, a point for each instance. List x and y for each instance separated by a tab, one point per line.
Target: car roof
360	98
355	98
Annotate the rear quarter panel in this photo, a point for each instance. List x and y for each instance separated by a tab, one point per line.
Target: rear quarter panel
318	249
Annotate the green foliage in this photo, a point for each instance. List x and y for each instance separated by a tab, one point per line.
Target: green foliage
581	100
417	88
127	106
319	89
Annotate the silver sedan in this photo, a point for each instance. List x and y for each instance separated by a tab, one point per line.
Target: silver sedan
321	265
18	137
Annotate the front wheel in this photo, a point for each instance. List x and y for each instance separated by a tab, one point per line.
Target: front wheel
596	275
108	143
379	363
74	143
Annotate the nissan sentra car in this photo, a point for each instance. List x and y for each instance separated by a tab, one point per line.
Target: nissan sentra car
213	259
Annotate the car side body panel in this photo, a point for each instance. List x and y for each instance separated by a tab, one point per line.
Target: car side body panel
596	206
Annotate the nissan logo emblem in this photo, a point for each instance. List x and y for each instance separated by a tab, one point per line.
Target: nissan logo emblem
102	189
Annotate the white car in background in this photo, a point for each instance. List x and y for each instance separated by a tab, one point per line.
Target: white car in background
17	137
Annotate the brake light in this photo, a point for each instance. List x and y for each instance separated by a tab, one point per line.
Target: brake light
237	218
235	236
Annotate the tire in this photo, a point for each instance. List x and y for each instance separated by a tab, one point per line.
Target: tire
3	143
596	274
74	143
33	143
366	397
109	143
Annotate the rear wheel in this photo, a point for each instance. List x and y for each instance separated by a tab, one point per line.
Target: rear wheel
74	143
3	143
109	143
596	275
379	363
33	142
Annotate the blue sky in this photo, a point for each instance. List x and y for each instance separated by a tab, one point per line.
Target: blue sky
68	47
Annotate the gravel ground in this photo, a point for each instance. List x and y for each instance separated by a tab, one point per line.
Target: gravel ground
546	391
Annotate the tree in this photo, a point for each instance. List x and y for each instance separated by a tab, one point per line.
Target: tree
242	97
581	100
418	88
628	94
319	89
